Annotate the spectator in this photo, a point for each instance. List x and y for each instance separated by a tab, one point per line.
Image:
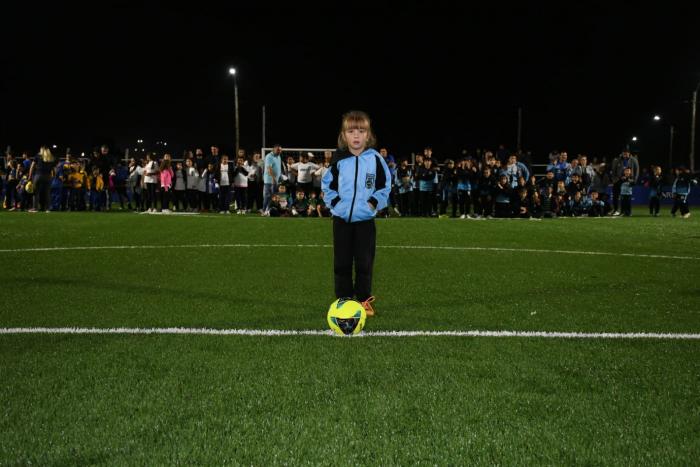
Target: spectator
40	172
271	175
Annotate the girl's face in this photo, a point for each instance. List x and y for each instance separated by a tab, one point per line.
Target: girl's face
188	162
356	138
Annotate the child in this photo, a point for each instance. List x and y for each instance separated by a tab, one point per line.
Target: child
593	206
301	205
275	206
96	185
120	178
577	206
487	183
503	193
312	210
426	180
550	206
225	178
655	184
192	184
179	188
321	208
625	186
150	180
681	191
11	185
240	184
356	187
135	182
208	188
78	180
448	185
522	205
404	179
166	183
284	200
535	205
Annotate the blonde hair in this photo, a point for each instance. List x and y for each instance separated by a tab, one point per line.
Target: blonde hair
46	154
356	119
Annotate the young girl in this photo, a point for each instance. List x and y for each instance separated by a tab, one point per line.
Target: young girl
151	182
135	182
166	183
179	185
356	187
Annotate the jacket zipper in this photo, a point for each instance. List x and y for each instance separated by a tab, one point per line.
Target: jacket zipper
352	206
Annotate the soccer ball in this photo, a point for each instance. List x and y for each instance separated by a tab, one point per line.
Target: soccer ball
346	317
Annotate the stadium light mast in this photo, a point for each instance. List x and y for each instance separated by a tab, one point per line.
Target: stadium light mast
657	118
692	128
232	72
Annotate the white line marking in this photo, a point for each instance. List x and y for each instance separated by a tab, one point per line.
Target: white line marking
399	247
289	332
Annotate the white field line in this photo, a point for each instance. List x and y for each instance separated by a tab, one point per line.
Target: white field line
398	247
285	332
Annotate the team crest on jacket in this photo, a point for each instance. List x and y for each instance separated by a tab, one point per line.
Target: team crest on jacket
369	181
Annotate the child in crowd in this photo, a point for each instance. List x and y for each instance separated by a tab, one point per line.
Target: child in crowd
655	184
625	184
240	184
284	200
502	195
275	208
96	187
192	181
11	180
404	180
550	206
681	190
166	184
205	194
180	188
135	182
301	205
487	184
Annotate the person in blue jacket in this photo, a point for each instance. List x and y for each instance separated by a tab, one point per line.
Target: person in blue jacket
356	187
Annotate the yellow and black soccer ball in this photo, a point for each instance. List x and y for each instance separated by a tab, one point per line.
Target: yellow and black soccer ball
346	317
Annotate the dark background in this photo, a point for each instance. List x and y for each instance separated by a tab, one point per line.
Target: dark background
587	77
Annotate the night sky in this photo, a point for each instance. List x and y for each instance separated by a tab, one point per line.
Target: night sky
587	77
